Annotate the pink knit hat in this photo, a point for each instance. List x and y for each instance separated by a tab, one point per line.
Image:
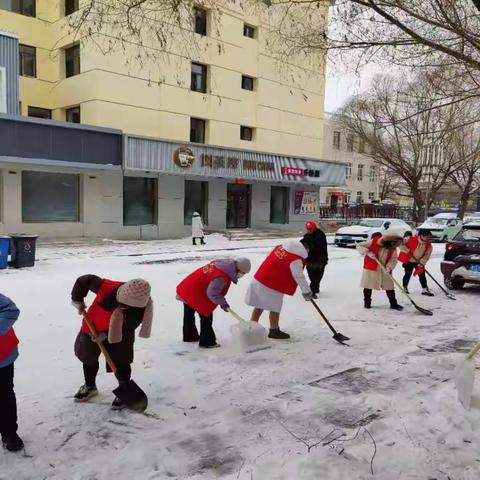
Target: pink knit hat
134	293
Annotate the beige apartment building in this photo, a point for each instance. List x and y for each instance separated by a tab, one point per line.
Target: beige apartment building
228	130
362	179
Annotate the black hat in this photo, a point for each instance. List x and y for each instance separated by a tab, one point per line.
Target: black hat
423	232
408	233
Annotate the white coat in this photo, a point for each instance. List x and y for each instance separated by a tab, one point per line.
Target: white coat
197	226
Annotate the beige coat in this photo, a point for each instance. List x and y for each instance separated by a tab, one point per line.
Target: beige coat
377	280
421	253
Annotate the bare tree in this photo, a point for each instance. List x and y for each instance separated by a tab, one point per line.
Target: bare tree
387	118
390	185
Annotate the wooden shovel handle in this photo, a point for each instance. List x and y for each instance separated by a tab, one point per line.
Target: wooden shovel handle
236	316
473	351
102	347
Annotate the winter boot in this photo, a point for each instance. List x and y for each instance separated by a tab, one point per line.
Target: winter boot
85	393
394	305
405	289
13	443
194	242
426	291
117	404
367	302
215	345
278	334
202	241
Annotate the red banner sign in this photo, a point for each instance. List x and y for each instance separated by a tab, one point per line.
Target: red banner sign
299	172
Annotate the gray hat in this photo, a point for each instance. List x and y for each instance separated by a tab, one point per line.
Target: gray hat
243	264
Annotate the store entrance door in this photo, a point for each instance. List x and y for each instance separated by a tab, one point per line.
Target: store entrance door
238	205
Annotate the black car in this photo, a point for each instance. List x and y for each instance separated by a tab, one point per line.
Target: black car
461	263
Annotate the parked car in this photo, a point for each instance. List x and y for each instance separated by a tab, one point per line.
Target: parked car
363	230
444	226
461	262
472	218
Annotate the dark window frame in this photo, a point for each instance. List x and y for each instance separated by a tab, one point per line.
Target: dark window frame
350	142
151	192
337	138
246	133
72	110
193	138
32	108
249	31
198	80
286	206
22	49
248	82
187	217
71	6
72	61
24	6
200	21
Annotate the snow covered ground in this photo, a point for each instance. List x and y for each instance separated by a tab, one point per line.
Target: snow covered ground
305	409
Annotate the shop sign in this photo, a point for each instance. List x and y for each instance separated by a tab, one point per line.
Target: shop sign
298	172
306	203
217	161
183	157
337	194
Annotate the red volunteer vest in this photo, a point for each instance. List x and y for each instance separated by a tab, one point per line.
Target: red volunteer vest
370	263
8	343
96	314
412	244
193	289
275	272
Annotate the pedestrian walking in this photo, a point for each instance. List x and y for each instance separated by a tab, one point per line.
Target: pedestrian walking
203	291
197	229
9	314
279	275
118	310
317	258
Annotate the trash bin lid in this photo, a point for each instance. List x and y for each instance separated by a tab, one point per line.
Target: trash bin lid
22	235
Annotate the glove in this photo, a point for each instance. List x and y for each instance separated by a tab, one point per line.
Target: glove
101	337
307	296
225	307
419	269
80	306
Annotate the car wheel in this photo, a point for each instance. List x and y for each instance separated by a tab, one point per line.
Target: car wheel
453	284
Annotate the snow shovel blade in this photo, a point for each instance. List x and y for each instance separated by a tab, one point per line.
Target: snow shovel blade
340	338
464	379
425	311
249	336
132	395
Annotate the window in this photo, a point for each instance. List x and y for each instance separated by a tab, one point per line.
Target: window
38	112
360	172
71	6
199	78
246	133
24	7
197	130
72	61
347	197
50	197
200	21
361	146
348	172
373	173
371	195
350	141
248	31
336	140
28	61
196	200
359	197
279	204
248	83
139	200
3	90
72	114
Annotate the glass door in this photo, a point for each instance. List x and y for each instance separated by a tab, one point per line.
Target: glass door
238	205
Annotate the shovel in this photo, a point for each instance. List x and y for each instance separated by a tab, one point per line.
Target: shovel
127	391
249	335
336	335
465	377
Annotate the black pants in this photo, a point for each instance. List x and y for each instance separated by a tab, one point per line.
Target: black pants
315	275
8	402
202	241
207	336
409	268
367	296
90	373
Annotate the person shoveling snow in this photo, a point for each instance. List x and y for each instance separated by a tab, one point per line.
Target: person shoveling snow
203	291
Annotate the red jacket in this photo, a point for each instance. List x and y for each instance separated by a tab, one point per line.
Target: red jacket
96	314
370	263
193	289
412	244
275	271
8	343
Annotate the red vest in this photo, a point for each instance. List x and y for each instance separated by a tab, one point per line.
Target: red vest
412	244
98	315
193	289
275	271
370	263
8	343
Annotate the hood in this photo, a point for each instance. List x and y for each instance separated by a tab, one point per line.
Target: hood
355	230
428	225
227	266
294	246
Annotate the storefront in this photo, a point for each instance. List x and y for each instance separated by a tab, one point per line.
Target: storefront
230	188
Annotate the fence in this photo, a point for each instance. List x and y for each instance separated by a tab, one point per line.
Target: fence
369	210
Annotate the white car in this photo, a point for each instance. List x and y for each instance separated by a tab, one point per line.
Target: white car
364	229
472	218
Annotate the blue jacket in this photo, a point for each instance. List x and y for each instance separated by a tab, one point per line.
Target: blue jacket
8	315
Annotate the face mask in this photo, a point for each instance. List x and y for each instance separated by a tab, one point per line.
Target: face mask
240	275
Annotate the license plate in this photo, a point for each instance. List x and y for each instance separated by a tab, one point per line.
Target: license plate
346	237
474	268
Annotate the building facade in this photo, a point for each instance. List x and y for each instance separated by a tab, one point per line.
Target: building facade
229	100
362	175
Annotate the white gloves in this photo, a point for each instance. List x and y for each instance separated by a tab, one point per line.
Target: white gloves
307	296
